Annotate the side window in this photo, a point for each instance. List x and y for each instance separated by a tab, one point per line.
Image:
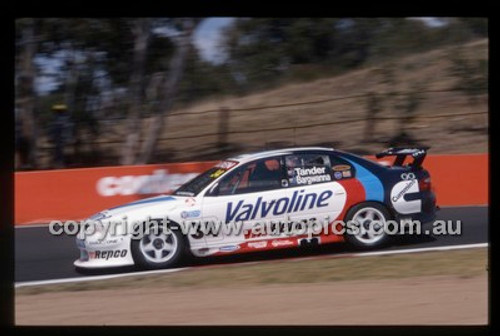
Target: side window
341	168
305	169
260	175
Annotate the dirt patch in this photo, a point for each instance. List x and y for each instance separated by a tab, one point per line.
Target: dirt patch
425	288
422	300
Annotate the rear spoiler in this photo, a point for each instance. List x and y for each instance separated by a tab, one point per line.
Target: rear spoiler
418	154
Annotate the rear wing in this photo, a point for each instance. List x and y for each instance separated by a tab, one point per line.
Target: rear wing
418	154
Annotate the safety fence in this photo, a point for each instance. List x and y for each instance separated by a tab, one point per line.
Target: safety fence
223	127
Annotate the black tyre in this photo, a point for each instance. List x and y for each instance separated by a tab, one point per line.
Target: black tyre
159	248
370	218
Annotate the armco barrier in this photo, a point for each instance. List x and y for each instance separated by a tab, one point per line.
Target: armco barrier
78	193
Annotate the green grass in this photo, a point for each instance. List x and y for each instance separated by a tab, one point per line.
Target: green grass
462	263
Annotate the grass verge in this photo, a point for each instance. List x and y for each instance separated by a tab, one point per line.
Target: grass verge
462	263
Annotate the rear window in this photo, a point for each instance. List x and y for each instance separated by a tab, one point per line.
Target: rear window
305	169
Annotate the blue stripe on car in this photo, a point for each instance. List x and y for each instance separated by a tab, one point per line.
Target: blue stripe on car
374	188
153	200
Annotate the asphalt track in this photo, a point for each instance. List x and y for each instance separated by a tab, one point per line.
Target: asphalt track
41	256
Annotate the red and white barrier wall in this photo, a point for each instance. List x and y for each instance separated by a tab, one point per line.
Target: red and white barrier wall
43	196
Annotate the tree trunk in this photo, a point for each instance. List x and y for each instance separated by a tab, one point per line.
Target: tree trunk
72	79
26	93
141	32
170	87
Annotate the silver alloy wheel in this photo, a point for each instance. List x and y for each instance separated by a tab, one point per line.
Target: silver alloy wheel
371	224
159	247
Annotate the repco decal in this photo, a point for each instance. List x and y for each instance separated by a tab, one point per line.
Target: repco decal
108	254
299	201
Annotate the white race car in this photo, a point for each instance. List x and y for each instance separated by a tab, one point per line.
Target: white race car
274	188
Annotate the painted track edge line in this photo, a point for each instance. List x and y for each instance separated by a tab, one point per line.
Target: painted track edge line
424	249
94	278
348	255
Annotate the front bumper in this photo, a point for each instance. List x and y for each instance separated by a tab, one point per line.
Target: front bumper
104	254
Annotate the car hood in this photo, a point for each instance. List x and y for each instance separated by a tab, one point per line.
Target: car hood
165	202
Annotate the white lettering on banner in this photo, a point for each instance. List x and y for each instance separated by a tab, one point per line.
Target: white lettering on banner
157	183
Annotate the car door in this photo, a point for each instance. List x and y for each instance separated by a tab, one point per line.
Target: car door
245	197
319	195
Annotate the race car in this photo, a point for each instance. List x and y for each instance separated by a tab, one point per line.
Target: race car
254	199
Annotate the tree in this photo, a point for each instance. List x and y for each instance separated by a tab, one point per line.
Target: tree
141	31
169	88
25	94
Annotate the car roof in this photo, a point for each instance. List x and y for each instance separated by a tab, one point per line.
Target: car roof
242	158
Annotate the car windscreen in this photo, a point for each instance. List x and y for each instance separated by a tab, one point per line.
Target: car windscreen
200	182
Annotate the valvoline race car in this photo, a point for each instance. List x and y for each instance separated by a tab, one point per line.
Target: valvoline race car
299	184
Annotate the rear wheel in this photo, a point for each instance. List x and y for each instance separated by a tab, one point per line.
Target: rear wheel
159	248
370	219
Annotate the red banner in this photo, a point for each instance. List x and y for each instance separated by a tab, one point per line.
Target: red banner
78	193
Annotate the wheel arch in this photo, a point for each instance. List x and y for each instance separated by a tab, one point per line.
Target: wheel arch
389	209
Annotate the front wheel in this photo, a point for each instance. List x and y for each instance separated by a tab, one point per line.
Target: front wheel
159	248
370	219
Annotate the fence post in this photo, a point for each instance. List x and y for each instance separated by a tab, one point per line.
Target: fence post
223	128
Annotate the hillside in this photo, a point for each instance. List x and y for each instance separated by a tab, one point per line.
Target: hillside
191	132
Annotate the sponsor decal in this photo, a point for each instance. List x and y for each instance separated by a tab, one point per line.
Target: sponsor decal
111	254
277	243
105	242
190	214
400	204
417	153
346	173
407	176
257	245
160	182
274	228
217	173
190	201
203	251
311	175
401	193
341	168
229	248
338	175
412	151
226	164
261	208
